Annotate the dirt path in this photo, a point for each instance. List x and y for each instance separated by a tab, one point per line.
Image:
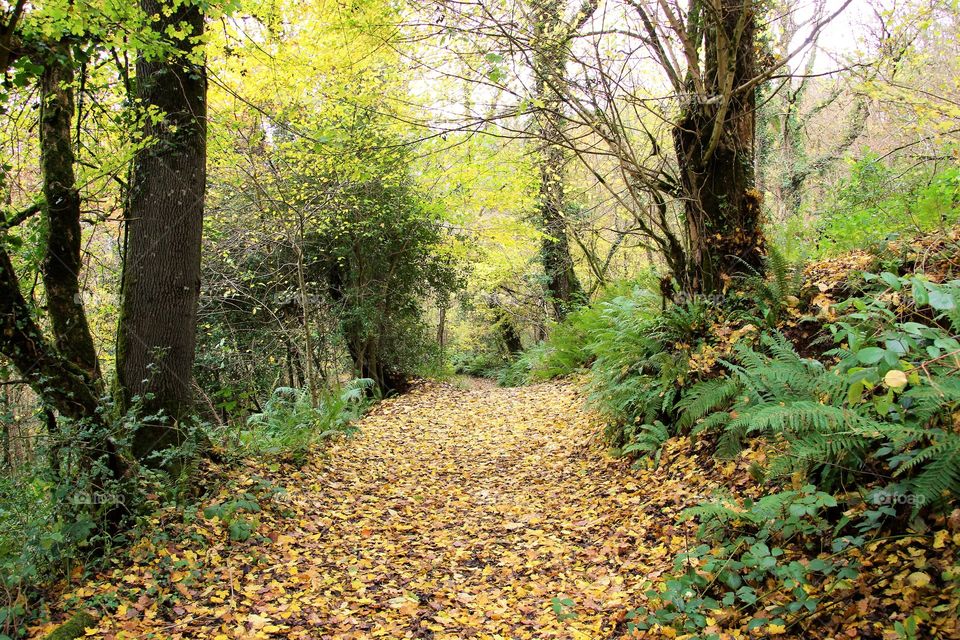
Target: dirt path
457	513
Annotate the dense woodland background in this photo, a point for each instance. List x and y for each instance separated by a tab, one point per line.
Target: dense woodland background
228	227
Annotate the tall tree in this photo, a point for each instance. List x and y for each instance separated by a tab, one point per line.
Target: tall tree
550	52
714	141
164	222
61	265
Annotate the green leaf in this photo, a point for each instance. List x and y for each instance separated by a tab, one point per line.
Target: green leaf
893	280
241	530
920	292
855	393
941	300
871	355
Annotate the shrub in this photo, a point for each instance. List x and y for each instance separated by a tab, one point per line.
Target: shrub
479	364
290	424
884	410
878	200
747	563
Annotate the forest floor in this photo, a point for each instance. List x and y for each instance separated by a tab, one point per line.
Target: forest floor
458	511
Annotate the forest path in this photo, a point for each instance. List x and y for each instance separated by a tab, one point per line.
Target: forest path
455	513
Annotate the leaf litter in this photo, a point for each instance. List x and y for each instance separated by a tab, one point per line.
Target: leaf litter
455	513
481	512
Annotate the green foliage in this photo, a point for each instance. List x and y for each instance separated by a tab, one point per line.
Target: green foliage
647	440
479	364
641	363
575	343
290	424
878	200
521	370
568	348
62	509
349	253
743	564
775	289
885	409
237	515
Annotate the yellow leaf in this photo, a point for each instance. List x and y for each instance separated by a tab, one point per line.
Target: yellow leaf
895	379
918	579
940	538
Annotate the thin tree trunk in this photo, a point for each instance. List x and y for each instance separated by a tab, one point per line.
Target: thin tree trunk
164	223
305	308
61	264
442	327
549	59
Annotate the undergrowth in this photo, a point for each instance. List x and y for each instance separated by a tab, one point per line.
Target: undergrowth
853	445
51	511
292	423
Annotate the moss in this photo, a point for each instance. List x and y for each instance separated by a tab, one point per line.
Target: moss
73	628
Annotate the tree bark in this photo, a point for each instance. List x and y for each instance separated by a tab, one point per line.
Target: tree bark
164	223
60	383
714	142
549	56
61	264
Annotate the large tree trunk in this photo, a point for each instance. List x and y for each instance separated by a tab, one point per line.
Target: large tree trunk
61	264
164	222
715	149
549	60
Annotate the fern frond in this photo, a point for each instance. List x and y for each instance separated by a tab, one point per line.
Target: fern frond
648	440
939	479
706	397
714	422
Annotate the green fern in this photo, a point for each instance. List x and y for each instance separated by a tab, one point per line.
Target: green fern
648	441
712	423
939	464
706	397
775	286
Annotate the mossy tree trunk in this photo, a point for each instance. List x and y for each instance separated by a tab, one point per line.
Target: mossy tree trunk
62	262
714	142
551	37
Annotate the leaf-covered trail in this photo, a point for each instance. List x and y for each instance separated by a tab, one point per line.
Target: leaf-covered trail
466	513
456	513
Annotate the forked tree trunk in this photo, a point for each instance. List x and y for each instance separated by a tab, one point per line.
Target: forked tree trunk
715	150
164	221
61	384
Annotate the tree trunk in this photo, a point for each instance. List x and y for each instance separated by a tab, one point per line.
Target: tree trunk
714	143
164	223
60	383
61	264
442	327
506	330
310	373
549	60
